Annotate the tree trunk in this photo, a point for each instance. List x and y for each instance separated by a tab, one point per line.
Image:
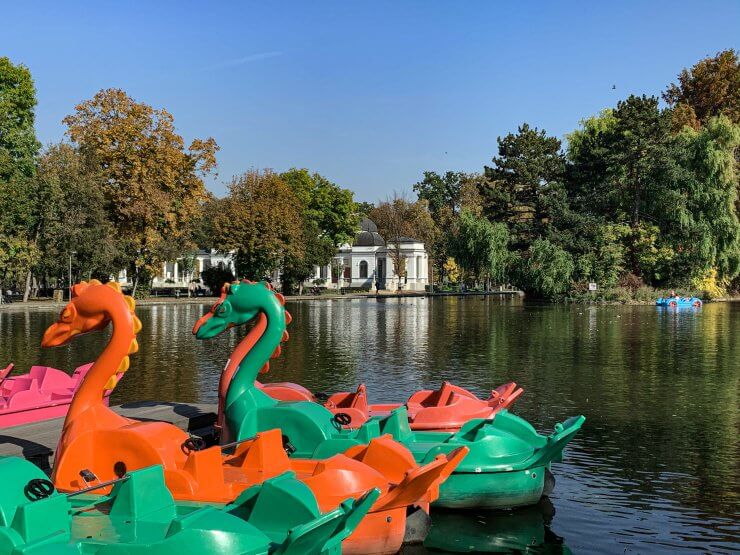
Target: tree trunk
136	283
27	290
34	287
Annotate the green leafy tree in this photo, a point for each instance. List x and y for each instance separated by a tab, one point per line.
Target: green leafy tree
479	247
621	168
363	209
317	251
72	217
445	196
215	277
332	208
545	270
18	148
329	218
442	191
702	221
18	143
261	219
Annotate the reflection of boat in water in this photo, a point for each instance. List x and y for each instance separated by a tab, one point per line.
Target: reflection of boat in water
524	530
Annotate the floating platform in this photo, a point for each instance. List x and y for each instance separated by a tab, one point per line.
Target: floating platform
38	440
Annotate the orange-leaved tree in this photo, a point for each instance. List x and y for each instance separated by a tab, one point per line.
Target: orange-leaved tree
152	184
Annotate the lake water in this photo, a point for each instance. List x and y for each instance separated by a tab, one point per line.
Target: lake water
655	468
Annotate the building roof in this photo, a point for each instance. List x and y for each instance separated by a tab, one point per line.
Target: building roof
368	235
368	225
368	239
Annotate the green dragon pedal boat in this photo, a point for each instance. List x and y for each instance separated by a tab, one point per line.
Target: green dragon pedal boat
508	463
139	516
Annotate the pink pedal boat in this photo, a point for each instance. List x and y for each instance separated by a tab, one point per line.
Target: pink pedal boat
444	409
41	394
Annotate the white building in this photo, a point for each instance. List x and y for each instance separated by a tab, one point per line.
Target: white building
180	274
368	263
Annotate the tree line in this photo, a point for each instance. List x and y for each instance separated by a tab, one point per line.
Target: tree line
641	195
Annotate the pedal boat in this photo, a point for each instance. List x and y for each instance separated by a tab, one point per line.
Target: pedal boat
139	516
107	445
445	409
41	394
679	302
507	460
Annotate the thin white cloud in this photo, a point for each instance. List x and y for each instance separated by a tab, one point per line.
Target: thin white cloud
245	60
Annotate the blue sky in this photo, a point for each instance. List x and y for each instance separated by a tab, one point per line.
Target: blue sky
370	94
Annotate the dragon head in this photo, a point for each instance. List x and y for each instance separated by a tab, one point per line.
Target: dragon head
92	307
240	302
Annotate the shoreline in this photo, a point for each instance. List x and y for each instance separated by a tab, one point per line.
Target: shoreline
45	304
151	301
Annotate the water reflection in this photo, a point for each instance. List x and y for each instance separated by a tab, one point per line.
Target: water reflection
655	469
525	530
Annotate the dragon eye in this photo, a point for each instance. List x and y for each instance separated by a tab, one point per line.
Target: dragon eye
68	314
224	309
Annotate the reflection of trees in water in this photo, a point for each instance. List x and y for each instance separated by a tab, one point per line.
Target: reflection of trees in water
336	345
165	367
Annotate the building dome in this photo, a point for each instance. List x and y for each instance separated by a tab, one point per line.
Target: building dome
368	225
368	235
368	239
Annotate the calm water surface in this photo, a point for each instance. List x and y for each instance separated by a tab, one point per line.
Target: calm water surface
654	470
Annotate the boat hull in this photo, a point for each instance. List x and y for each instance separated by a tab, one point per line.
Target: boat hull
38	414
492	490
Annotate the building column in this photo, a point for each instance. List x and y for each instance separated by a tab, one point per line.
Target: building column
174	271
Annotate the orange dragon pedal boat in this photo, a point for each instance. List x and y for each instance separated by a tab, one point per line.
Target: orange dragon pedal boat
445	409
98	445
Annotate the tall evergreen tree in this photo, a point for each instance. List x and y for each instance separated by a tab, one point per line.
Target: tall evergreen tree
518	188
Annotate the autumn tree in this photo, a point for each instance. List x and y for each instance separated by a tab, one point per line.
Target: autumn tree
151	182
710	88
261	219
399	220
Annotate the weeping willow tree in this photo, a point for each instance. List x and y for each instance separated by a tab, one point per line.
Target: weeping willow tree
480	248
702	219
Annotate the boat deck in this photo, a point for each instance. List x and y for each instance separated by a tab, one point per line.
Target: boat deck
37	441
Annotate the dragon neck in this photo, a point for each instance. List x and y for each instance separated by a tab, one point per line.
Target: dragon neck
109	362
253	352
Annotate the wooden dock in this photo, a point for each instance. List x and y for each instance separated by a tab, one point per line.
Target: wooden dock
37	441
